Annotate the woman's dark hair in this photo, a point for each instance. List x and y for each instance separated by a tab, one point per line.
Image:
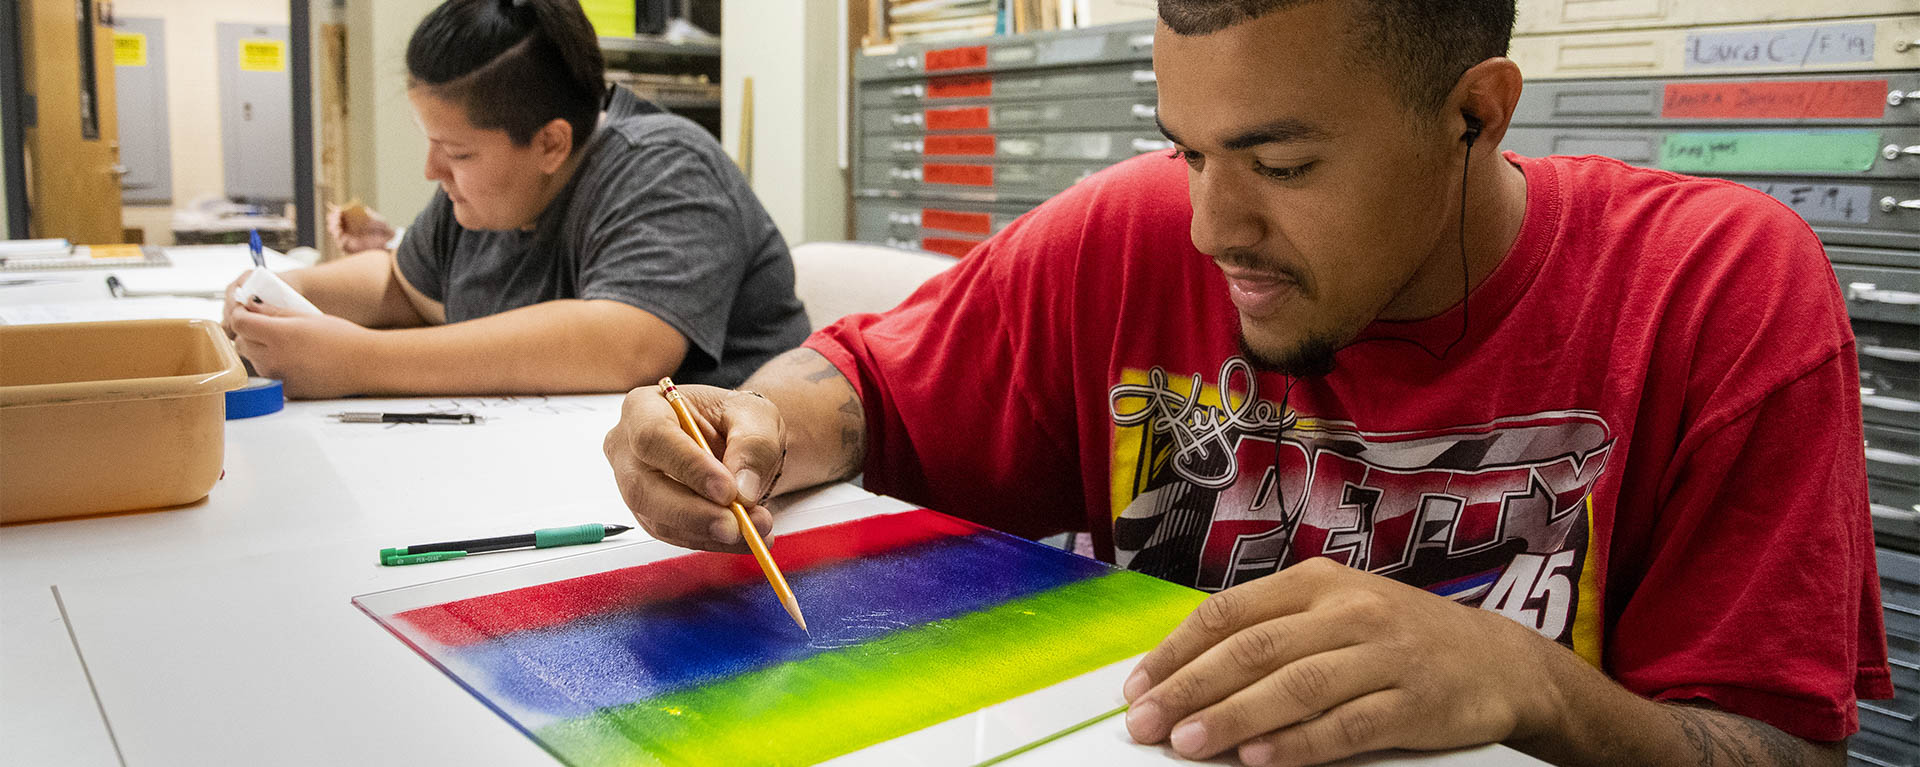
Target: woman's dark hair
515	65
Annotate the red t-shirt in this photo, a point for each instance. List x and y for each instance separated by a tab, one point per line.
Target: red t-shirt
1647	447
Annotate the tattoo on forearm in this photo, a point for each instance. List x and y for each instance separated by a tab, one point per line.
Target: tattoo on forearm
812	367
1721	738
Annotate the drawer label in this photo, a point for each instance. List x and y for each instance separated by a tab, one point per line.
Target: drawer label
964	175
957	58
1823	203
1789	47
955	221
960	118
977	146
970	87
1810	151
952	246
1833	99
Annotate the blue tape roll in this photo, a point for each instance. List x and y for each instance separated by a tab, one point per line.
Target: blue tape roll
259	397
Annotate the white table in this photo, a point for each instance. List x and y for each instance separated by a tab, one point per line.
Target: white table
222	633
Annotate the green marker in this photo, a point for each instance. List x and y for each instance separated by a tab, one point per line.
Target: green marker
538	539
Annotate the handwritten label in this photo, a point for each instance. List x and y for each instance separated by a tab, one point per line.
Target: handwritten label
952	246
959	145
962	118
1834	99
957	58
965	175
257	55
1844	151
129	49
1823	203
978	87
956	221
1791	47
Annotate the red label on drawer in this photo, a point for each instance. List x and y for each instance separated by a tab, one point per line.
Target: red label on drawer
978	146
968	175
971	87
1859	99
952	246
957	58
959	118
955	221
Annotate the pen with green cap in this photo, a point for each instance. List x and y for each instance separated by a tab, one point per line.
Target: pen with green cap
538	539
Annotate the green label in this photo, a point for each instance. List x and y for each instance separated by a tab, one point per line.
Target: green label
1848	151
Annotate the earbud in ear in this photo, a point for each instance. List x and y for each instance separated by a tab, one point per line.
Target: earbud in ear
1473	129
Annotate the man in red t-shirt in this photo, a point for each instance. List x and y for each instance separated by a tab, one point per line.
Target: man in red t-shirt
1472	447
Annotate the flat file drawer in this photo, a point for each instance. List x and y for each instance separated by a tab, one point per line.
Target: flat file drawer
1864	43
1875	98
1898	261
1871	749
1837	152
1550	16
1880	293
1893	456
1123	79
1103	146
1114	42
1898	718
949	225
976	181
1870	212
1900	591
1896	510
1889	373
1067	114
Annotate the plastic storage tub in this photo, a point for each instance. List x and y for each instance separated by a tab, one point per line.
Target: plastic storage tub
98	417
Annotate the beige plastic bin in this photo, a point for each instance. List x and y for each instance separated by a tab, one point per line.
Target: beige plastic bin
110	416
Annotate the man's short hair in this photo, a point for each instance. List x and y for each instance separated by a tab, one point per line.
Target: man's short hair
1422	46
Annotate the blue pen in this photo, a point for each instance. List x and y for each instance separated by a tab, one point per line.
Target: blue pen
253	246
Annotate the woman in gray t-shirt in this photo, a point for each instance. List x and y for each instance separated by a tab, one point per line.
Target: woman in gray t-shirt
581	238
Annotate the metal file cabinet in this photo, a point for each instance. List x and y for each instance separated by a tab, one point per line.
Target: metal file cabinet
954	141
1835	136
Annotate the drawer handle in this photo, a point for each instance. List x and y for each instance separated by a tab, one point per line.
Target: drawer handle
898	217
1145	42
904	62
1908	718
1895	98
1868	760
1145	111
907	118
909	91
1884	402
1883	455
1901	609
1891	353
1145	145
1906	664
1146	77
1888	512
1894	151
1902	46
908	147
1867	291
1889	205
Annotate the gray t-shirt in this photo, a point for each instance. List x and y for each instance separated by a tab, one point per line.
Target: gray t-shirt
657	217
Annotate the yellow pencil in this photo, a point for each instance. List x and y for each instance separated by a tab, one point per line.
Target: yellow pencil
747	531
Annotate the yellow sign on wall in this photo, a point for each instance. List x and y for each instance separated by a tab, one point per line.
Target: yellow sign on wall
263	55
129	49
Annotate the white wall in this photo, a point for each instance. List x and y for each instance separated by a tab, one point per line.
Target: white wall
796	114
386	169
5	231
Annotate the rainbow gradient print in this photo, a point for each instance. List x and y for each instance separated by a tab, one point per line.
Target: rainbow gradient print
918	618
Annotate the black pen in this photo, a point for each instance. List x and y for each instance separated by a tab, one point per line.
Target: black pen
452	418
538	539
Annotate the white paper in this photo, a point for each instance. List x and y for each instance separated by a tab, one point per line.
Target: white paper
112	309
